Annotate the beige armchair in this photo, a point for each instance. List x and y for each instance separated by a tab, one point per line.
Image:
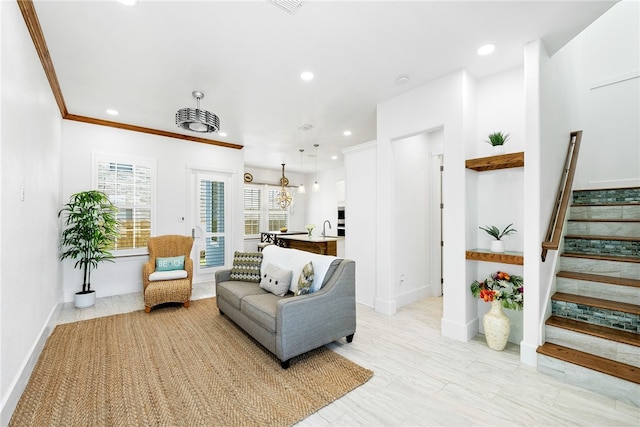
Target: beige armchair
167	286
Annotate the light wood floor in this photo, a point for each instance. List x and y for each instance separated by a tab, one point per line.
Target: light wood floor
423	379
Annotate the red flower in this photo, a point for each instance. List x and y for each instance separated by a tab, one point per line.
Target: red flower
487	295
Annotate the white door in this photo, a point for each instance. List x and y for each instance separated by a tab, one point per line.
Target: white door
210	227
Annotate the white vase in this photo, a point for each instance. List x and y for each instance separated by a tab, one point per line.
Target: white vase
498	149
86	299
497	246
496	327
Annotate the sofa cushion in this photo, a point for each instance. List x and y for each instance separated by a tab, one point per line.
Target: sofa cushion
276	280
262	309
246	266
295	260
234	290
168	275
305	283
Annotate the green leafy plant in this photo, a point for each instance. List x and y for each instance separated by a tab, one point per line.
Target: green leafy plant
496	233
507	289
91	228
498	138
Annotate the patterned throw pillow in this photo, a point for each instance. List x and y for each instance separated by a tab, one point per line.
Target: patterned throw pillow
276	280
305	283
170	264
246	266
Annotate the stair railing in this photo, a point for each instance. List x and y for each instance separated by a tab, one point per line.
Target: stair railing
554	231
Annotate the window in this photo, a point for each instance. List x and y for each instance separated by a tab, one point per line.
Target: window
261	212
130	186
212	215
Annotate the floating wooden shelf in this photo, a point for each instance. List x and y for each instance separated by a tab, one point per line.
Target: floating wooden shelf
502	161
486	255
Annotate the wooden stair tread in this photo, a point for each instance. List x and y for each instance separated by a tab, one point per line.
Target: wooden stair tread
597	302
602	257
589	237
595	330
590	361
622	281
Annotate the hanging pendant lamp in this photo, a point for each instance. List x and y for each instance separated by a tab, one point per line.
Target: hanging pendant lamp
301	188
283	198
316	186
197	120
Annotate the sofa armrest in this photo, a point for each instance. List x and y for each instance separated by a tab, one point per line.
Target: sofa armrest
223	275
310	321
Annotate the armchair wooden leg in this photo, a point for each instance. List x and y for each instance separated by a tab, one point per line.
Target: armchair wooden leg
147	309
186	304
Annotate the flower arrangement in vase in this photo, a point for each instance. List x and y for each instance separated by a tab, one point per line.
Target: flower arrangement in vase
502	290
497	140
498	245
310	228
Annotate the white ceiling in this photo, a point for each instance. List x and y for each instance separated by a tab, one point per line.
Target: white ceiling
247	56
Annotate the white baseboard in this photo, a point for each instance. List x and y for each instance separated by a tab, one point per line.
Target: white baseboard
19	383
528	354
459	331
413	296
385	307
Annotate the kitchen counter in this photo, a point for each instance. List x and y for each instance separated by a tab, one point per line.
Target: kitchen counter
315	244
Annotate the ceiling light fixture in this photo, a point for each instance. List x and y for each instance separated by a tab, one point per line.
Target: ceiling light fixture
486	49
402	80
306	76
197	120
347	133
112	112
222	133
128	2
283	198
301	188
316	186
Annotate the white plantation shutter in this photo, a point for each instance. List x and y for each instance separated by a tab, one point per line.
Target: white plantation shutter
252	212
129	186
261	211
211	214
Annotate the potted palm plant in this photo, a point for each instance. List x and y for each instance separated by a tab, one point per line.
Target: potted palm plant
497	140
90	229
498	245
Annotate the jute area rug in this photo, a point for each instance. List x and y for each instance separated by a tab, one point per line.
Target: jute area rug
175	367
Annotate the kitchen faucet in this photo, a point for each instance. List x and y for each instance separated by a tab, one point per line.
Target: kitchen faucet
324	233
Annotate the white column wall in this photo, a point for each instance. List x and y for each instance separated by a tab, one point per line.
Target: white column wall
175	158
30	195
360	218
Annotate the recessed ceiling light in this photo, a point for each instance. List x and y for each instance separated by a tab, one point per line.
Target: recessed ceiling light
112	112
334	157
402	80
222	133
486	49
306	76
347	133
128	2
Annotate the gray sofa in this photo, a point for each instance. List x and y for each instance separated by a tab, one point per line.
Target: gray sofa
291	325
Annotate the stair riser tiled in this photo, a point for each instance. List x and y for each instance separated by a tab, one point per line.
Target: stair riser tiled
598	316
603	197
626	294
628	229
605	212
629	249
607	385
619	352
629	270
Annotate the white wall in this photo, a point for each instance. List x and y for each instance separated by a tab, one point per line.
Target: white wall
30	145
175	161
446	103
360	217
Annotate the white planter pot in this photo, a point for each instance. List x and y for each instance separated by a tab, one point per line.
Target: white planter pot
84	300
498	149
497	246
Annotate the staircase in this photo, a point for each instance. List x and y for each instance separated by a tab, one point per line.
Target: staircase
593	334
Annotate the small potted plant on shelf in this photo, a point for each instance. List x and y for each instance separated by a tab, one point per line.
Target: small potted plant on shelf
501	290
91	228
497	245
497	140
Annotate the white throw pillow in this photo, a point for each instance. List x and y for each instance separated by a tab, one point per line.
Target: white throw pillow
167	275
295	260
276	280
